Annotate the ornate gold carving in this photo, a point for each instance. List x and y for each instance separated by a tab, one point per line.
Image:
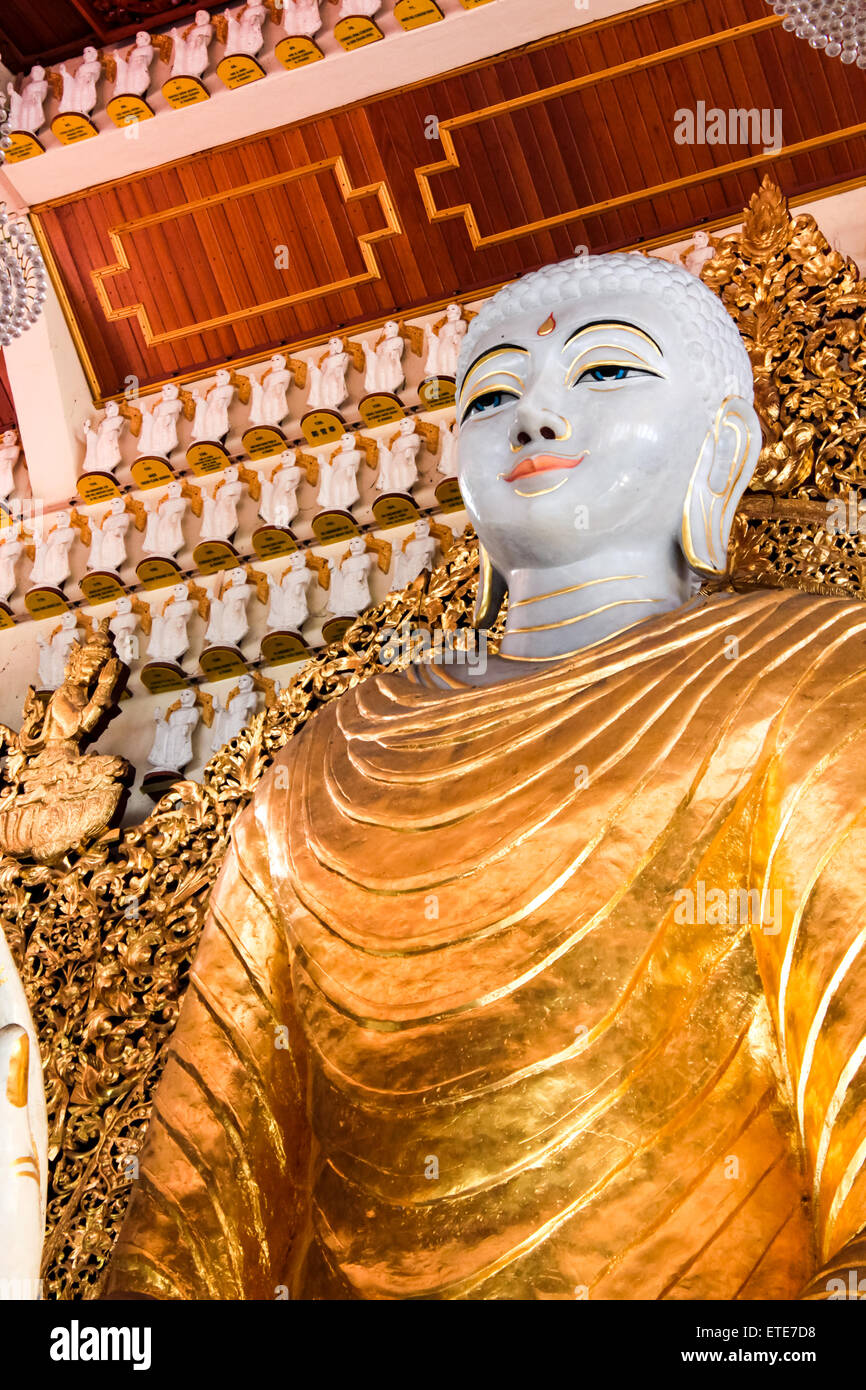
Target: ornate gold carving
55	797
801	309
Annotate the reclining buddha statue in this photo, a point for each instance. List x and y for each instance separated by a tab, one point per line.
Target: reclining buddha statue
545	980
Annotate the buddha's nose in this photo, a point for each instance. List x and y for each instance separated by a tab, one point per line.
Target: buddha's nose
532	424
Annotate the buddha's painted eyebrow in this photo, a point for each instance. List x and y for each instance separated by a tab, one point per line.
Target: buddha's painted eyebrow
494	352
613	323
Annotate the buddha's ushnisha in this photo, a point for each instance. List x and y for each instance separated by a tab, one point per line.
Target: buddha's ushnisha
519	1056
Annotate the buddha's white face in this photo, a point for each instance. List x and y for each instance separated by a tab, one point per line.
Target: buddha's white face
174	490
9	438
187	699
580	436
335	345
391	329
231	474
357	545
179	593
278	362
170	392
453	313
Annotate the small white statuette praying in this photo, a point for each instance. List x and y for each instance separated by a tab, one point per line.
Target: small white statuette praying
10	452
122	628
164	531
289	607
172	743
79	87
447	464
27	107
211	419
169	639
102	445
350	581
700	253
11	547
54	650
416	555
301	18
133	67
279	501
245	29
233	717
398	465
338	475
385	360
159	423
351	8
270	404
51	562
108	540
443	346
229	624
219	518
328	388
190	57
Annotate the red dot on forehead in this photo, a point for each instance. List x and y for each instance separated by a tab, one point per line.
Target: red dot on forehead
547	327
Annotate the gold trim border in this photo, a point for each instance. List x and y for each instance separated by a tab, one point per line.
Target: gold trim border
349	195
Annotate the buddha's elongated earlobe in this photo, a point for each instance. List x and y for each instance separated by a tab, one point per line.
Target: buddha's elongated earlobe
724	469
491	591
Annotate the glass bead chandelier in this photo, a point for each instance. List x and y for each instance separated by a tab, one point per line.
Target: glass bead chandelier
837	26
23	280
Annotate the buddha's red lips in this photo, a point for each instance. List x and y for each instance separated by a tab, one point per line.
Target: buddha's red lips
541	463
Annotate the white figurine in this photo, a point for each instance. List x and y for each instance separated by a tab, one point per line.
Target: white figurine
289	607
54	650
443	348
51	563
350	581
270	405
245	29
229	624
385	360
23	1139
10	452
190	49
11	547
328	388
212	410
279	502
172	742
447	464
169	639
301	18
102	446
79	88
338	475
398	465
700	253
230	720
133	67
122	628
108	541
219	518
164	532
351	8
417	554
26	108
159	423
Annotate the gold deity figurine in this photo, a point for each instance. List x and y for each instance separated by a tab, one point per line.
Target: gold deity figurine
542	977
55	796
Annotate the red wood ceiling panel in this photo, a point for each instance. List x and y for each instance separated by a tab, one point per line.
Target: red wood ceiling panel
196	282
